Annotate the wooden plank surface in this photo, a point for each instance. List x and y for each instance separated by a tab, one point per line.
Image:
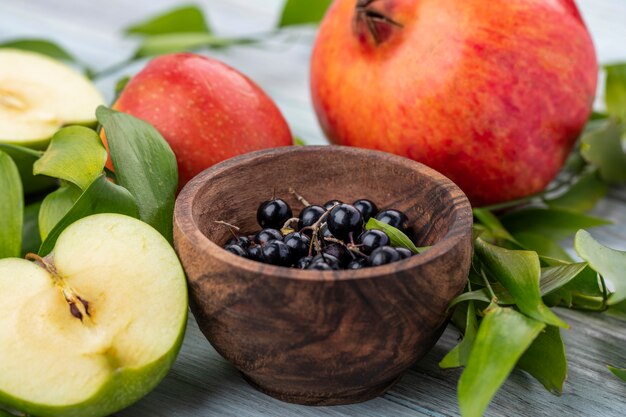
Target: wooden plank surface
204	384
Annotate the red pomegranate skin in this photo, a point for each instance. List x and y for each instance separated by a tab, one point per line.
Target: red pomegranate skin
493	94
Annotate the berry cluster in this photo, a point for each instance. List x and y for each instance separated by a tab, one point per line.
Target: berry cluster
327	237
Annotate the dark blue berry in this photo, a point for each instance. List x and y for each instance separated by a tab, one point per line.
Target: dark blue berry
266	235
393	218
366	207
237	250
344	220
384	255
298	243
404	253
358	263
372	239
255	253
320	266
338	251
242	241
330	203
304	262
273	213
308	216
276	252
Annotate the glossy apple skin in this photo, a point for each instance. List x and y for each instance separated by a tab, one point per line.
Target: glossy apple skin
206	110
491	94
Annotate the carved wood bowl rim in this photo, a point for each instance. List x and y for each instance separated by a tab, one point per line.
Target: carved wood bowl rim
460	227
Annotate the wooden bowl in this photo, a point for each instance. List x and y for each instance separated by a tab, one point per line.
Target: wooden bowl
313	337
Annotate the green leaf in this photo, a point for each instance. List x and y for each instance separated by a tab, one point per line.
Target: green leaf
555	277
544	246
545	360
298	141
25	158
609	263
180	20
492	224
75	154
602	147
41	46
459	355
55	206
181	42
298	12
120	85
11	208
144	164
30	234
615	92
551	223
502	338
102	196
583	195
618	372
476	295
519	272
396	237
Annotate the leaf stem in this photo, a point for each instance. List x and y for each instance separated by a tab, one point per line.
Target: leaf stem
494	298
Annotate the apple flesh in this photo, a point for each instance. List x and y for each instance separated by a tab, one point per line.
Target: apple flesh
96	325
493	95
206	111
39	95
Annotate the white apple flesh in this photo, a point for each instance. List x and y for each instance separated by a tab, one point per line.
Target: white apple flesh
38	95
115	343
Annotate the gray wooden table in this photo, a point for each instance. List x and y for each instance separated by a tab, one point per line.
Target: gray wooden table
204	384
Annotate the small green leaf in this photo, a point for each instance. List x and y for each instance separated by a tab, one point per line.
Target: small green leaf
602	147
502	338
615	92
396	237
55	206
551	223
144	164
11	208
299	12
609	263
583	195
459	355
618	372
75	154
180	20
476	295
120	85
25	158
102	196
555	277
519	272
181	42
544	246
41	46
298	141
493	226
30	235
545	360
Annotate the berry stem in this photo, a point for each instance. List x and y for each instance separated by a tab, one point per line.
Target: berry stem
316	227
298	197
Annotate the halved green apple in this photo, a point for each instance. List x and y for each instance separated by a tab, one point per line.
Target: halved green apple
38	95
95	325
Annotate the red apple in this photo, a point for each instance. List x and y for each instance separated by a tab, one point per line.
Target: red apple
206	110
492	94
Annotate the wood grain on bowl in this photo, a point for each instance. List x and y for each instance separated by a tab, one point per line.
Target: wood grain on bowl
331	337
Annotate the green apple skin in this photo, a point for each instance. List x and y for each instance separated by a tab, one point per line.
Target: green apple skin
125	385
110	399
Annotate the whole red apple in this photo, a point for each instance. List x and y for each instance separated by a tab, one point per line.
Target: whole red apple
492	94
206	110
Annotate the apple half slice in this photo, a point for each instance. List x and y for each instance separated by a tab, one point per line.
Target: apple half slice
38	95
95	325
